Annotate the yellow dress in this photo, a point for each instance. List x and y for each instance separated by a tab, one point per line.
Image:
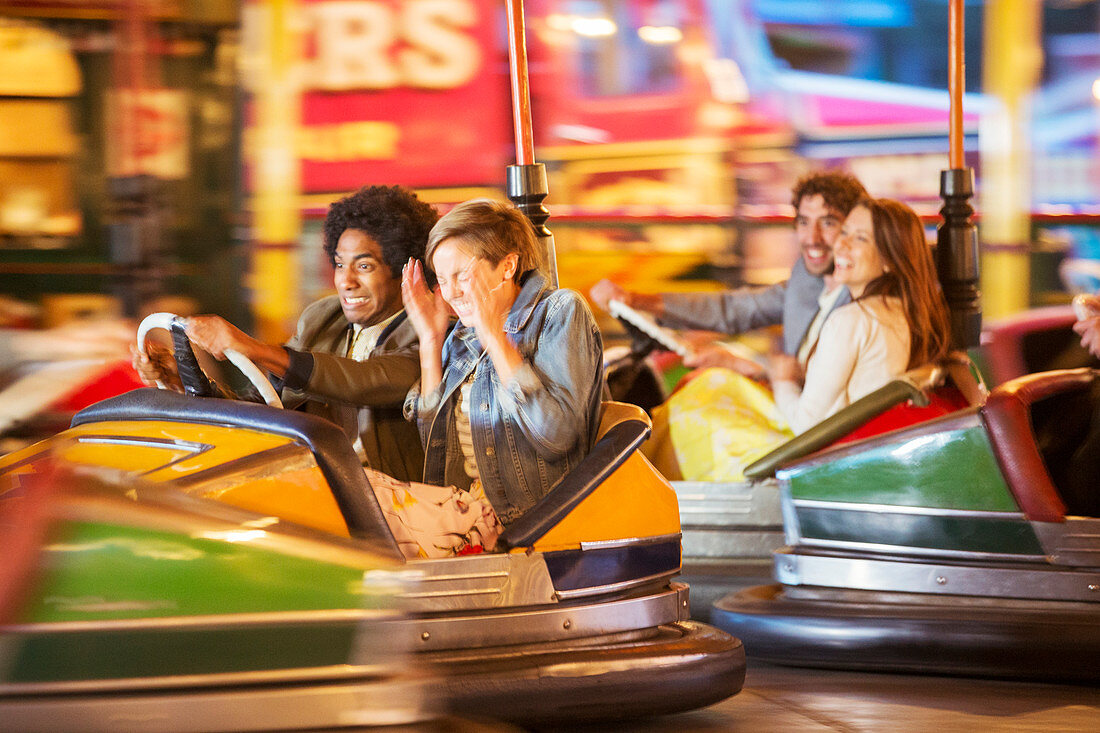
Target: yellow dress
715	426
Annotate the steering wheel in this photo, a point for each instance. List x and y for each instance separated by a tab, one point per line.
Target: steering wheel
195	382
630	378
641	343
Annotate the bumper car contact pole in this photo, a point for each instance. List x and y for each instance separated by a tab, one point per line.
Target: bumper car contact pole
956	236
526	181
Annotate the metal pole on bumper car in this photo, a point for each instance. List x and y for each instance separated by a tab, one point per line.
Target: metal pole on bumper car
957	237
526	181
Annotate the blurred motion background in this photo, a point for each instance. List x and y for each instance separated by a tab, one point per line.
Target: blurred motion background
180	154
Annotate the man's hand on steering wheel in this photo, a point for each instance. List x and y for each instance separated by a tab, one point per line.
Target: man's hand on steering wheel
188	370
214	334
156	365
217	336
604	291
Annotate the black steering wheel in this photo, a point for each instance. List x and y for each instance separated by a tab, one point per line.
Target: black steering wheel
194	379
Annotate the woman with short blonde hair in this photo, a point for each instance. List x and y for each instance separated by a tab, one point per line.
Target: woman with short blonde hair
490	230
509	398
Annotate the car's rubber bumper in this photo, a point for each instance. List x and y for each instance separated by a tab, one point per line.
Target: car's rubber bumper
686	665
891	632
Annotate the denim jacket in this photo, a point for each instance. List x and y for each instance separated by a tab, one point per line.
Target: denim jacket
531	432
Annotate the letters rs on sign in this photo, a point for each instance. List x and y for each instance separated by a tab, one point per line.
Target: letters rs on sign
374	44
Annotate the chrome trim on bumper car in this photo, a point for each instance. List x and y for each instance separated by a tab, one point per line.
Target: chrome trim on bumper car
561	622
915	576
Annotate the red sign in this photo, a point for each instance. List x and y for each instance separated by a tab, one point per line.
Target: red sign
411	92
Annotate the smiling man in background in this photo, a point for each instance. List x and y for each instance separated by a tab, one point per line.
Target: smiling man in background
800	304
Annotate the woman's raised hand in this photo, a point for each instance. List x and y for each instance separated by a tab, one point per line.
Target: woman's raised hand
429	313
489	297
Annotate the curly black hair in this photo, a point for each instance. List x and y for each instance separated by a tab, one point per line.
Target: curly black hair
391	215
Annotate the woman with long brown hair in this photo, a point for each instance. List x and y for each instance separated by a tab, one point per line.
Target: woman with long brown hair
721	421
897	319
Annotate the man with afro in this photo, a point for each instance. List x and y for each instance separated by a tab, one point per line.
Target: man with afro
354	355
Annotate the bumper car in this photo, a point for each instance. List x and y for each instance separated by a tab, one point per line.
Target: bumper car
730	528
577	619
966	544
1038	340
133	607
40	399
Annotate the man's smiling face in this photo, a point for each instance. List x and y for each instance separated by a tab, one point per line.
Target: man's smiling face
816	226
369	293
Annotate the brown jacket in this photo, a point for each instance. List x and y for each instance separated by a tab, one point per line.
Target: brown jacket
364	398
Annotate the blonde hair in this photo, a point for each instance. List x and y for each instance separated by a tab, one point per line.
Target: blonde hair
489	230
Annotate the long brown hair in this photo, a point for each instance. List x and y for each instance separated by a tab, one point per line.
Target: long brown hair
911	276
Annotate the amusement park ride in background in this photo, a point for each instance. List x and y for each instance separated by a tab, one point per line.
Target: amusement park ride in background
964	543
671	131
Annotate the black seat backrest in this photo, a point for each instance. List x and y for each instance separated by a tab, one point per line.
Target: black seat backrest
1035	424
1038	340
1045	351
1067	433
327	442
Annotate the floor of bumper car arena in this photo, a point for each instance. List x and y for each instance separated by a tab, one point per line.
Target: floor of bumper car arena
794	700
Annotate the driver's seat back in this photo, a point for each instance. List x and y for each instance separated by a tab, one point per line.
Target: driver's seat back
614	494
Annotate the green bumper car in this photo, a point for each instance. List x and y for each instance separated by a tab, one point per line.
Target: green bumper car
968	544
